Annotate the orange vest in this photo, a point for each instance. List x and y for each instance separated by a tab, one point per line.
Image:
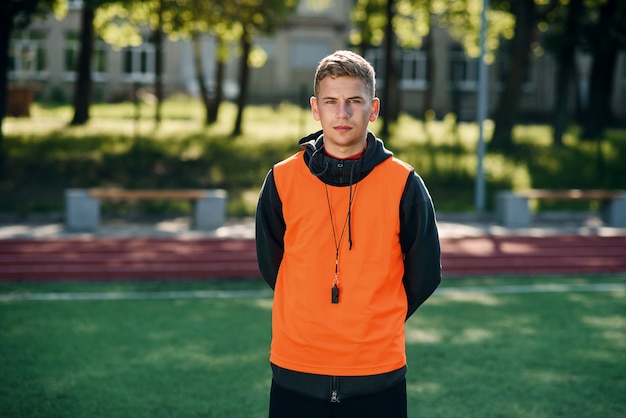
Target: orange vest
363	334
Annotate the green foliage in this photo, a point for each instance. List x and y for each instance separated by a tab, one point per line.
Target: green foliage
470	354
21	12
413	20
45	156
119	22
463	20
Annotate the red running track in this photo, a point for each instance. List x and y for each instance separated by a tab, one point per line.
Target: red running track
157	258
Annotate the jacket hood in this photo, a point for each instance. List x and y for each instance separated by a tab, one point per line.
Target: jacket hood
336	172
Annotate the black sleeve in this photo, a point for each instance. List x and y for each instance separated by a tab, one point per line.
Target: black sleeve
270	231
419	239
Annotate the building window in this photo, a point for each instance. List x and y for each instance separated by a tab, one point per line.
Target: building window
463	70
72	45
72	50
75	4
306	54
412	67
27	56
100	58
376	57
139	62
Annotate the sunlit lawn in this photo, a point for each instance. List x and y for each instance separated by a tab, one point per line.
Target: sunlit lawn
470	354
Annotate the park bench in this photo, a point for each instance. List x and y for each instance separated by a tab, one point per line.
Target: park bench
512	206
82	206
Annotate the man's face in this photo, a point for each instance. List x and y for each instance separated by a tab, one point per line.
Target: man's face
344	109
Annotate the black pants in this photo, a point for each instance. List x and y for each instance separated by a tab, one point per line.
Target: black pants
391	403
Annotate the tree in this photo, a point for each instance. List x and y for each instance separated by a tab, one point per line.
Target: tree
244	71
414	21
211	18
388	23
211	99
83	85
220	71
391	92
596	28
562	41
158	57
606	37
368	18
15	14
195	18
118	23
463	19
525	34
254	17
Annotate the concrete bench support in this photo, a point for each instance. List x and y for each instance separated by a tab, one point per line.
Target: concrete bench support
82	206
82	212
512	210
615	212
210	212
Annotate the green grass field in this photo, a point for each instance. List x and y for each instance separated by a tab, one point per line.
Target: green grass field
472	351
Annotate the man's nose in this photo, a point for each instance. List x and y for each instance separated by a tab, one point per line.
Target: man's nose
343	110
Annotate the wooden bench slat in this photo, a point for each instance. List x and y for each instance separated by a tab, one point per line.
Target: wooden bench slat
147	194
572	194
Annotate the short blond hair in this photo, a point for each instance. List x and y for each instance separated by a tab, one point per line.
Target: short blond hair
346	64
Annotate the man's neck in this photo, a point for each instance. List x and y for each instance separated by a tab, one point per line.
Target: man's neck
349	157
348	153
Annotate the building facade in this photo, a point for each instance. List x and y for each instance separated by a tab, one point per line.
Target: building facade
47	51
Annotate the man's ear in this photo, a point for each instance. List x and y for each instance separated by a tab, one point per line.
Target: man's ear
375	109
316	113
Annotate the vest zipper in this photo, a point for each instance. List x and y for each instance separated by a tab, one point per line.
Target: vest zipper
334	389
340	165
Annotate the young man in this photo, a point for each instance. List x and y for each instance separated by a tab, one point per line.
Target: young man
346	237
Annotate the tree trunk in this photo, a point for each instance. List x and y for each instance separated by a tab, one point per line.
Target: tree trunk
210	99
389	105
6	26
83	86
363	47
158	65
218	94
598	112
506	109
566	66
244	69
429	44
197	65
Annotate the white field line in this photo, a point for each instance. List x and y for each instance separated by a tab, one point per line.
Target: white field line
228	294
184	294
536	288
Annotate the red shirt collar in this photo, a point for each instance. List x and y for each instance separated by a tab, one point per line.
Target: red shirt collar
352	157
